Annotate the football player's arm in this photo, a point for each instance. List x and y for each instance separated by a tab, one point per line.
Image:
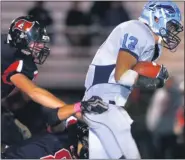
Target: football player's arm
7	100
55	116
15	95
17	91
45	98
128	77
93	105
130	50
37	94
125	62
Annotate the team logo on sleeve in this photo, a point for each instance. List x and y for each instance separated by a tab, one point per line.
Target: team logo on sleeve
23	25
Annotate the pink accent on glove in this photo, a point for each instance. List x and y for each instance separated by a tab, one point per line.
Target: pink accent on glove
77	107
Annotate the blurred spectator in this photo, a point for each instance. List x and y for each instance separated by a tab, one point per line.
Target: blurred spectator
179	122
161	118
42	16
138	102
137	107
78	36
116	14
181	87
107	14
76	16
179	126
98	11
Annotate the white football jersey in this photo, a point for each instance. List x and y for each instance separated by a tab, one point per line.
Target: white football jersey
133	36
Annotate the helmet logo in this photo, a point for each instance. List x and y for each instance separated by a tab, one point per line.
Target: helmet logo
23	25
169	8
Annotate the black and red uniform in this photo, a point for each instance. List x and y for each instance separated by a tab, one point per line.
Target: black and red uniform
12	62
42	146
22	48
53	146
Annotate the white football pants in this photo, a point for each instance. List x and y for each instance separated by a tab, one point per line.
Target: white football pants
110	135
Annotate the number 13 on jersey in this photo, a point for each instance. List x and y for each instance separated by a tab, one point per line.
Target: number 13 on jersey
129	42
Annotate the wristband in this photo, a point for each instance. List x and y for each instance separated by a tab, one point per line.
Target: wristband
128	78
77	107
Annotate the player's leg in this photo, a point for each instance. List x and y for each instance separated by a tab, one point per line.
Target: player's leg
110	127
102	126
127	143
96	150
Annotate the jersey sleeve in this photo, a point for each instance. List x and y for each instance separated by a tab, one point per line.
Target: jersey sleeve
26	67
133	40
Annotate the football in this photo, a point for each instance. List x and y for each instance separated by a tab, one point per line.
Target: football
148	69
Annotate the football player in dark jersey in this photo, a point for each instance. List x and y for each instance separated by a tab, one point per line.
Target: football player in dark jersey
26	46
70	144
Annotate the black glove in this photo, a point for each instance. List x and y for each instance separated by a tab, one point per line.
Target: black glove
94	105
163	74
84	153
83	133
153	83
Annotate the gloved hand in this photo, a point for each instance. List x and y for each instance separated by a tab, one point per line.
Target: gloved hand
94	105
163	74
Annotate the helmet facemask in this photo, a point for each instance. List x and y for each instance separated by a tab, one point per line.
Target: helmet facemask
170	34
37	46
41	56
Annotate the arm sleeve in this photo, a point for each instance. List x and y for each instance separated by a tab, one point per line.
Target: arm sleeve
132	40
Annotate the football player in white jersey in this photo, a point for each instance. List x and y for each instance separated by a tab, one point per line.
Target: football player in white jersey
110	76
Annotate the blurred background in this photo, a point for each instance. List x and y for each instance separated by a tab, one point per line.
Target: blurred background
77	29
